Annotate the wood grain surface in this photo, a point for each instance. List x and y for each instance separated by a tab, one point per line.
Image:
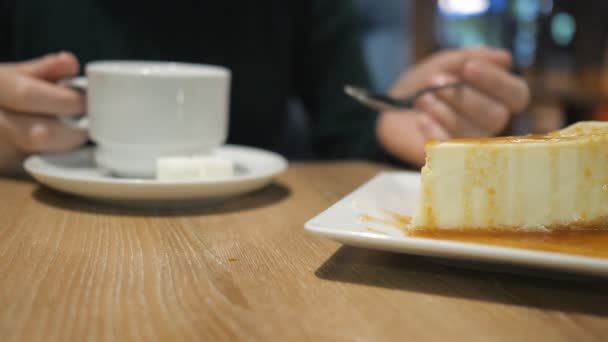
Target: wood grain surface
75	270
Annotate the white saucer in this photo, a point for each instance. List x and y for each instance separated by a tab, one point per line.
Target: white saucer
75	172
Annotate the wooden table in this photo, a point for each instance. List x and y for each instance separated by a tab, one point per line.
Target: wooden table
73	270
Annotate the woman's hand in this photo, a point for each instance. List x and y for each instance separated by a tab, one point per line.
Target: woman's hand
480	108
31	105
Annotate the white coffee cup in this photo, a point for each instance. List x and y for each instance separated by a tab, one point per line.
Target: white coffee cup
141	111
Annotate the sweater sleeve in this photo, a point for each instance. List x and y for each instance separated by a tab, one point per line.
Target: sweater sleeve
6	43
330	57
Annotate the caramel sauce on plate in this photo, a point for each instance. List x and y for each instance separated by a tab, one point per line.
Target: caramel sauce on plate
393	220
590	243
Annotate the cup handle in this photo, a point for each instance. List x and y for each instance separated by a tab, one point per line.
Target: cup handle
79	84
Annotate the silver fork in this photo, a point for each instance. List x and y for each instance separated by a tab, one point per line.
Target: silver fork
379	101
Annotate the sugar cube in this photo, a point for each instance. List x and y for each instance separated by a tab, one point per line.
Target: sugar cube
193	168
177	168
214	168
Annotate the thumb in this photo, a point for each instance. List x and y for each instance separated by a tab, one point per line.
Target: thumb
51	67
454	61
499	57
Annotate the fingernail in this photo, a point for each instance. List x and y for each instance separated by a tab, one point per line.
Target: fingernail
434	131
427	98
52	55
37	129
439	80
38	134
426	124
438	134
431	128
425	101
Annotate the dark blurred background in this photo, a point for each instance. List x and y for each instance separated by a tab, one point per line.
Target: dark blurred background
559	46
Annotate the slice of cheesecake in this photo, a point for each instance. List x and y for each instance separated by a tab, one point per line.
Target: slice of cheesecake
535	182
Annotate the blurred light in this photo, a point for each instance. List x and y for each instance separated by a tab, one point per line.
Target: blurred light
527	10
563	27
472	38
464	7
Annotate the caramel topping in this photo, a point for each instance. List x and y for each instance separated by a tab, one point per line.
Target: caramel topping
532	138
567	134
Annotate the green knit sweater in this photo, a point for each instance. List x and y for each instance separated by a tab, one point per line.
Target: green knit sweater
276	49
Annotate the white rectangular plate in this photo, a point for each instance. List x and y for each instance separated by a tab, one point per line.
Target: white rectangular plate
397	192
